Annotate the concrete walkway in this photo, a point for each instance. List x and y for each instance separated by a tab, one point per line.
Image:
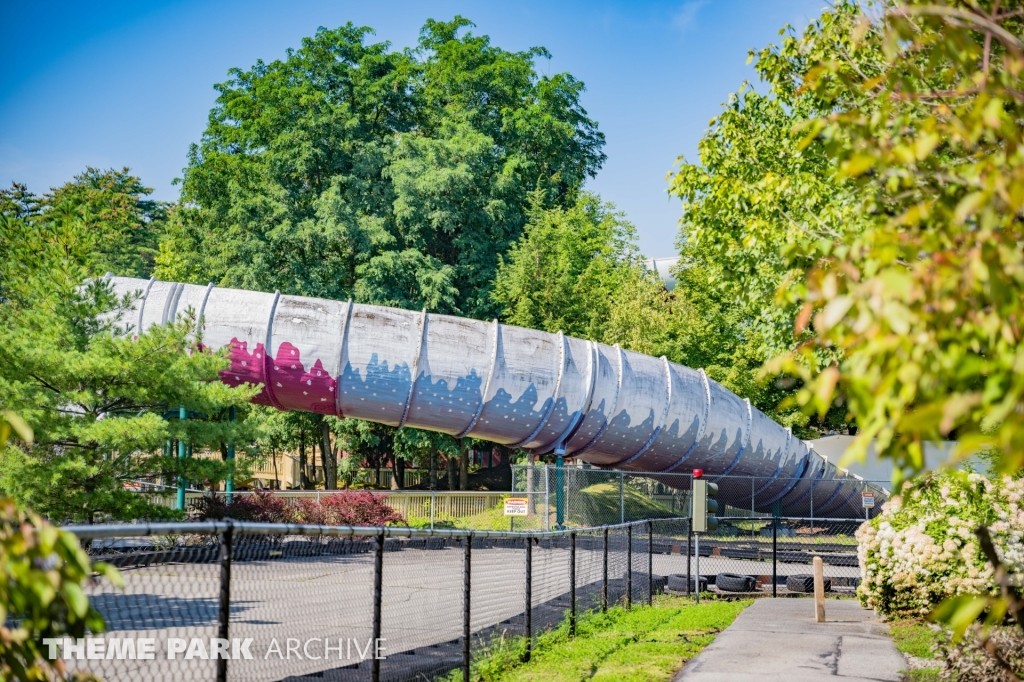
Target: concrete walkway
778	640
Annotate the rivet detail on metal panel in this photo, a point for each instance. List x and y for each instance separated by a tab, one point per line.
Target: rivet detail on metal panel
142	305
799	476
782	464
746	442
588	398
341	359
487	381
615	404
415	367
701	429
554	394
268	352
664	416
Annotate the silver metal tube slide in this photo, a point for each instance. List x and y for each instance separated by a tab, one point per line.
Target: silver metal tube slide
521	388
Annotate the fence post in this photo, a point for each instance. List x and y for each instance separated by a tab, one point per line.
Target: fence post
224	615
529	596
604	575
689	550
378	596
547	499
650	563
629	566
775	556
696	565
752	512
572	585
432	493
466	578
622	497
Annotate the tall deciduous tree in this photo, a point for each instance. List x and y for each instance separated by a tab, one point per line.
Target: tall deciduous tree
350	169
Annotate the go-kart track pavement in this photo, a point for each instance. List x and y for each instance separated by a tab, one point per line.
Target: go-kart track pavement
309	599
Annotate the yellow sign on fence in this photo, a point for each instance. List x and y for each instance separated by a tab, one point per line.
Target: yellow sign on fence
516	506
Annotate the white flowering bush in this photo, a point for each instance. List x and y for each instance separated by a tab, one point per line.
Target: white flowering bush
922	549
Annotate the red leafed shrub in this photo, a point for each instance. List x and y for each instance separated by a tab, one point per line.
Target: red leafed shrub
261	506
338	509
358	508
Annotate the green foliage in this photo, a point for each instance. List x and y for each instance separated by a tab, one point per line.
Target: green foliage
41	593
121	226
922	114
566	270
397	177
95	398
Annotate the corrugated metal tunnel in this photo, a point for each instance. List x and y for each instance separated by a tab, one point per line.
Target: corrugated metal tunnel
517	387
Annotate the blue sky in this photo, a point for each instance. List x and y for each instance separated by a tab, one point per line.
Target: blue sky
112	84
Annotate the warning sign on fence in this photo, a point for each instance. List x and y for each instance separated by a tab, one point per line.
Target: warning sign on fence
868	499
516	506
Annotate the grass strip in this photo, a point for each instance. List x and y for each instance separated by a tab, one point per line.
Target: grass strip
643	644
919	639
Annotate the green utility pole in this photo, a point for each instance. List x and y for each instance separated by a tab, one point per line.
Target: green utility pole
181	456
560	492
229	485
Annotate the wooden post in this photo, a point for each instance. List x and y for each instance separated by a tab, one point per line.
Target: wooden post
819	591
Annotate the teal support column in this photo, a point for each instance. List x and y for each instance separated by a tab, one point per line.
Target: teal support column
560	491
181	455
229	485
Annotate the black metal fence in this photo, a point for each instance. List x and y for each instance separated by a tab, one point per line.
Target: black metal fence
245	601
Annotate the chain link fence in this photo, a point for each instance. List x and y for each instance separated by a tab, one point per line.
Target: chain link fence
576	497
247	601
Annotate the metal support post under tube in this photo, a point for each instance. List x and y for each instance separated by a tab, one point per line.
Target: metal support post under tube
547	499
560	492
775	556
378	595
466	577
604	575
224	614
528	626
650	563
622	497
572	585
629	566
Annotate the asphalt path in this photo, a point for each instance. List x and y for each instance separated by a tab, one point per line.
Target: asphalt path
310	599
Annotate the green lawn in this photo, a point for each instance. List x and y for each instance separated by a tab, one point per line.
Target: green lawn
643	644
917	638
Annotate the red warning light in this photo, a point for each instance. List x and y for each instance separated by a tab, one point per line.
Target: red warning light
698	473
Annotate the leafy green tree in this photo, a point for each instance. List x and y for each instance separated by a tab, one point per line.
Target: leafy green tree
349	169
96	399
125	226
564	272
921	114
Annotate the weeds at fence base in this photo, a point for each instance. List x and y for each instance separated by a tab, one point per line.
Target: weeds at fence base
644	643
